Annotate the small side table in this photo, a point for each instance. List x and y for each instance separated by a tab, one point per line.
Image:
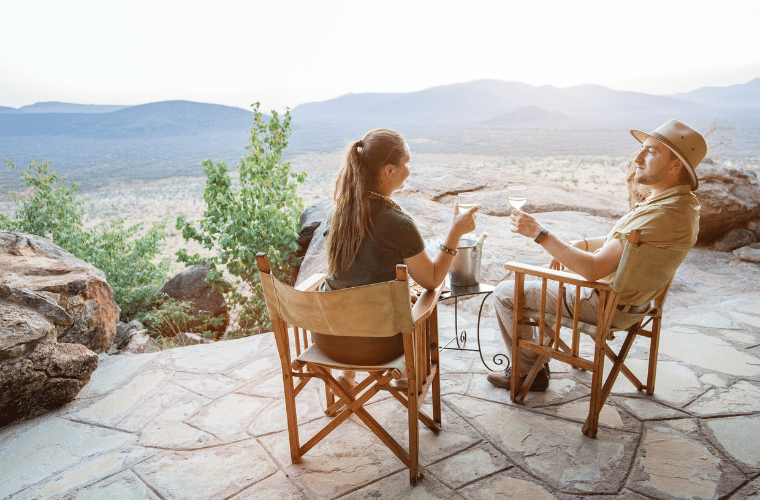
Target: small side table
454	292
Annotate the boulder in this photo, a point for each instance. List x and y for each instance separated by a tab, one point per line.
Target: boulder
310	220
735	238
749	253
754	226
37	374
124	333
140	342
729	198
315	257
35	264
190	285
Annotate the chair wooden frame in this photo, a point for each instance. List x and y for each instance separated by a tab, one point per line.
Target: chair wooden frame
549	344
419	363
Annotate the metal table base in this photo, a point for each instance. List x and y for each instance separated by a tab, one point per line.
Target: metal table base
454	292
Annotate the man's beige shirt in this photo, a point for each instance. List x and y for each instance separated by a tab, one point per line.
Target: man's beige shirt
669	220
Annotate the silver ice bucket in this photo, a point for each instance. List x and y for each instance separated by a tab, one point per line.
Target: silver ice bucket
465	268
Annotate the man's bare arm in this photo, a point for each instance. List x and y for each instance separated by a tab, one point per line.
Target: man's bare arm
586	244
589	264
592	266
589	244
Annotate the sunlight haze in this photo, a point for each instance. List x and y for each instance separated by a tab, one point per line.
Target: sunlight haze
291	52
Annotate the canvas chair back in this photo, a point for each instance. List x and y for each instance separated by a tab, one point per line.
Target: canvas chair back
377	310
636	272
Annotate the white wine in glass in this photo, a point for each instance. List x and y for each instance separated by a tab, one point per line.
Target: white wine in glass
467	200
517	196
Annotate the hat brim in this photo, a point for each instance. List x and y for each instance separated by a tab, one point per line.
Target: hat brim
642	136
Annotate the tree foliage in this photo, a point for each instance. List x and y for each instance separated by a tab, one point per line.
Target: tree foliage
47	207
261	215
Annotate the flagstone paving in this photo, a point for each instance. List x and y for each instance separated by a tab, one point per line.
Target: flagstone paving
208	422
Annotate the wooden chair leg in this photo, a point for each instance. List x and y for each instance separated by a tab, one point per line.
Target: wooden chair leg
618	364
654	348
592	421
329	397
517	311
291	414
435	361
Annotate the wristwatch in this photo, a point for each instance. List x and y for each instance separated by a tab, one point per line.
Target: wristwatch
541	235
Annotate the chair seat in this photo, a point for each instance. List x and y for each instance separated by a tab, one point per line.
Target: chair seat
313	354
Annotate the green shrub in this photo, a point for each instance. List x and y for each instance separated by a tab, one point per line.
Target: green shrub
47	207
168	316
260	216
127	260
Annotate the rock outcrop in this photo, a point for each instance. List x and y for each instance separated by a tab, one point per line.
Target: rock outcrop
749	253
729	197
315	258
443	186
190	285
37	374
311	219
735	238
124	332
35	264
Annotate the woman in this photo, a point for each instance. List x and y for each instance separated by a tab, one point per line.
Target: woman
368	234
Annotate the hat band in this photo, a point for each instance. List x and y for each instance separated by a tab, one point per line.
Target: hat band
669	144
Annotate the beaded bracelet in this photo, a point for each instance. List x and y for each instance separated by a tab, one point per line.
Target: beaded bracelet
448	250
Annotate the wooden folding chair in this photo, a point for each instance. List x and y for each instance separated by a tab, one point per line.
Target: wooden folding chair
636	262
379	310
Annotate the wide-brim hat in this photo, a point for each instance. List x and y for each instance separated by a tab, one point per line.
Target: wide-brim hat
685	142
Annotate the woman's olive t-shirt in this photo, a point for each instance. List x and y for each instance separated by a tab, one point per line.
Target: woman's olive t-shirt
393	238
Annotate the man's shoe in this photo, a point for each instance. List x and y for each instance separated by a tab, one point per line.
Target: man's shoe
503	379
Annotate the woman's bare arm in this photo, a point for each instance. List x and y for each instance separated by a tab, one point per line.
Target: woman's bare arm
430	273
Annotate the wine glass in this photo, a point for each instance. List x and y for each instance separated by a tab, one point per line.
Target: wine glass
517	196
467	201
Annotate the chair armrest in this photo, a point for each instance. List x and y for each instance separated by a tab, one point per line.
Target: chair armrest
312	283
426	302
551	274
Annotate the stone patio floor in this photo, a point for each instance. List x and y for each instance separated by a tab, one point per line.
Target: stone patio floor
208	422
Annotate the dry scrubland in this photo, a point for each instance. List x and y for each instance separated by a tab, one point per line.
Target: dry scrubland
150	201
184	196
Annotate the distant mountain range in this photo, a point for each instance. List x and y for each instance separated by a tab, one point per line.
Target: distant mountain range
481	103
168	118
62	107
746	95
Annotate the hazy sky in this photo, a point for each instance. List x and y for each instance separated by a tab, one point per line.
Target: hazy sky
284	53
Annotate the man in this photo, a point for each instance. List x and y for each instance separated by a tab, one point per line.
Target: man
668	218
